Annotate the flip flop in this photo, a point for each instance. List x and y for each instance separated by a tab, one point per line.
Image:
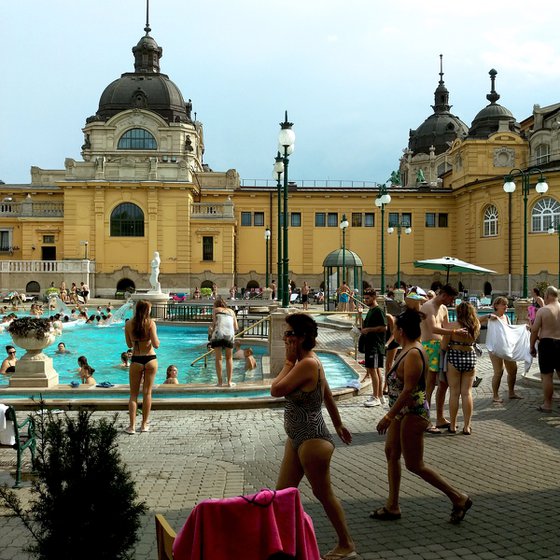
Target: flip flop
443	426
145	429
458	513
433	430
383	514
543	409
339	556
129	432
515	397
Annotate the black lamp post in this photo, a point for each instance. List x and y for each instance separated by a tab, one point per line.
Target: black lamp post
382	199
555	228
266	240
541	187
277	174
407	230
343	226
286	139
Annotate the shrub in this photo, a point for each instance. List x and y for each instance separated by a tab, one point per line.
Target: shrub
206	292
85	501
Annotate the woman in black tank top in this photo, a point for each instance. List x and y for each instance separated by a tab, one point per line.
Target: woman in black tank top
310	447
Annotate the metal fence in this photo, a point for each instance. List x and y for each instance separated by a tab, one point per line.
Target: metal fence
250	323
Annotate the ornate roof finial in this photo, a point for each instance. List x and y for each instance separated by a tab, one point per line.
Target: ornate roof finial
147	29
493	96
441	95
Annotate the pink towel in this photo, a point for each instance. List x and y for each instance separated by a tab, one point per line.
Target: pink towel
248	527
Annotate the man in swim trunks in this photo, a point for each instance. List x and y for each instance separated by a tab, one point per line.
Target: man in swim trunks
546	329
305	296
434	326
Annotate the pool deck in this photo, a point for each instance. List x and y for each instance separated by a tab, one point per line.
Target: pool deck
509	466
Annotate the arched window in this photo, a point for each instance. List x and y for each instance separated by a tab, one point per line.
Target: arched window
137	139
542	154
545	213
127	220
490	221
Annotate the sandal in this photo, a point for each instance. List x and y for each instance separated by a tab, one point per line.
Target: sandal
383	514
433	430
467	431
458	512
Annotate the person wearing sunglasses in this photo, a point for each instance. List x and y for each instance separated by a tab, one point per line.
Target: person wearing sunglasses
310	446
9	363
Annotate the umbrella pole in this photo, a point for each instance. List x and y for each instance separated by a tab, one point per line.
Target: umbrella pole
447	279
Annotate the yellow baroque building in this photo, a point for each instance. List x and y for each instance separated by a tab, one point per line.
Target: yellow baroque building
143	186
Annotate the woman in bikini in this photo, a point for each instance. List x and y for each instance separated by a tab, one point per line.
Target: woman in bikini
310	446
407	420
461	363
223	329
141	335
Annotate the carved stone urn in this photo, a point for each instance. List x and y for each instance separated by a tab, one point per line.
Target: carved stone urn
34	369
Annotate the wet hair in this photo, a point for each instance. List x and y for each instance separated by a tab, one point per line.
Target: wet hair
169	367
124	357
305	326
467	317
248	352
141	321
82	361
537	292
498	300
9	348
61	344
449	290
409	322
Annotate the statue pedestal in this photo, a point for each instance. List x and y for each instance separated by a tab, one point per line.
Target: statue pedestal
35	369
151	296
521	306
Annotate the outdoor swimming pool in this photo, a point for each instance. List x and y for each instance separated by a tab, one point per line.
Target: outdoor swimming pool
180	345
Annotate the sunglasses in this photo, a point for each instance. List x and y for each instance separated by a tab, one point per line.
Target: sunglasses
12	352
289	333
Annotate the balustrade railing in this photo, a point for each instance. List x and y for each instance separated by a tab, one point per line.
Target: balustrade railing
32	209
212	211
69	266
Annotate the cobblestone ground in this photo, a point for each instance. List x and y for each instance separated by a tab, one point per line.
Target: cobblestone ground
510	466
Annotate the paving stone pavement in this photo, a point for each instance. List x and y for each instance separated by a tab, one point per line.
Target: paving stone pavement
510	467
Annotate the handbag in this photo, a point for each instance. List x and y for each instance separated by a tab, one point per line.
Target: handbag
478	350
362	343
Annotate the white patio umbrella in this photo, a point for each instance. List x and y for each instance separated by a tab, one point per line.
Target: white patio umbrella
452	264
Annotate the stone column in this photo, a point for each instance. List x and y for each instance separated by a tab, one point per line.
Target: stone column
521	306
276	348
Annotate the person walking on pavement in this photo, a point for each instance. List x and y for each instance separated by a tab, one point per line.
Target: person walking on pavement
434	326
546	329
305	296
373	329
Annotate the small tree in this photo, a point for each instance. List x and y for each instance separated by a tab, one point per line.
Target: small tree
85	502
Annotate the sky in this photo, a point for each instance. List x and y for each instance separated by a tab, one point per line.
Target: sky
355	75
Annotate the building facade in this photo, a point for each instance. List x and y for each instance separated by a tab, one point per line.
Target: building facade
143	186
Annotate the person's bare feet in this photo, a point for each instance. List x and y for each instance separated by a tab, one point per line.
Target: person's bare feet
515	396
497	400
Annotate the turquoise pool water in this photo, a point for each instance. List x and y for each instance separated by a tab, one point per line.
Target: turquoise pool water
180	345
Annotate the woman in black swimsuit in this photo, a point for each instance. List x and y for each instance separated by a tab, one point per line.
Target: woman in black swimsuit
9	363
141	336
310	446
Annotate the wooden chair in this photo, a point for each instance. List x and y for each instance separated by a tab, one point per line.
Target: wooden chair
165	536
23	441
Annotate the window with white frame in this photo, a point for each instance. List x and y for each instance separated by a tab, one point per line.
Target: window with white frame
542	154
545	213
490	221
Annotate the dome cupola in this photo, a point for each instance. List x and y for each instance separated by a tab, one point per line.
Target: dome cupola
494	116
439	130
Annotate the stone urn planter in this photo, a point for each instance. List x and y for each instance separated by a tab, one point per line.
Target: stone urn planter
34	369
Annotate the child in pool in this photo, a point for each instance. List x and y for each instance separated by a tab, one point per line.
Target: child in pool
172	373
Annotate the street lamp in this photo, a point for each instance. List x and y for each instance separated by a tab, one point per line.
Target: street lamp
286	140
541	187
555	228
277	174
382	199
266	240
85	244
343	226
407	230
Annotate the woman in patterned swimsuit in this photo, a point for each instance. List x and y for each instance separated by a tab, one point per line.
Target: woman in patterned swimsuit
407	420
310	446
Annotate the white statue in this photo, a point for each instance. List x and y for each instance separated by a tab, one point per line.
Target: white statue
156	261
